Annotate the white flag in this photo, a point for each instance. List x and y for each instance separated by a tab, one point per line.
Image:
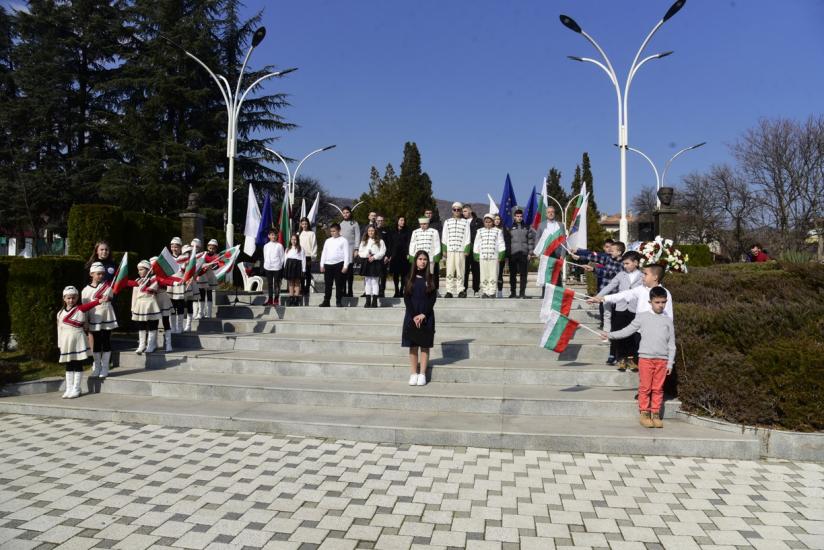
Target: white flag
252	223
302	208
493	208
577	236
313	212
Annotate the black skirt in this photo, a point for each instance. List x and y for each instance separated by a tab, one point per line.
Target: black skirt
371	269
293	269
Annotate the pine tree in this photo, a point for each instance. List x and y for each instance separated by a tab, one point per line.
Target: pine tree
415	186
596	234
586	177
554	188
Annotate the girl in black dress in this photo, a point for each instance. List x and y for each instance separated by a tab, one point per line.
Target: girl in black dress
419	296
398	250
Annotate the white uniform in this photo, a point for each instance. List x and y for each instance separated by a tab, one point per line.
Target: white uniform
144	300
455	243
100	317
71	335
489	249
430	242
551	228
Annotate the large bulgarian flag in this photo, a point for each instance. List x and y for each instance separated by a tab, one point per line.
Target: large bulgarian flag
121	277
558	332
284	224
554	241
227	258
165	265
556	298
554	271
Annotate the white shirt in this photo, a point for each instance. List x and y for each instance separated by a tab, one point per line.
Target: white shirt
378	251
640	296
309	243
456	235
295	254
335	251
273	256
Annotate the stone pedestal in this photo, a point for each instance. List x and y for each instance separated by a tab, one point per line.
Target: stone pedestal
666	223
191	226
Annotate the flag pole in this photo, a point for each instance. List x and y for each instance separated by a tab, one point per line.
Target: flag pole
593	331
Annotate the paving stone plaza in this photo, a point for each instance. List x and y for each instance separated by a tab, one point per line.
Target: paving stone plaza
82	484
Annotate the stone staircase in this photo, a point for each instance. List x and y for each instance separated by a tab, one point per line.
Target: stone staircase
341	373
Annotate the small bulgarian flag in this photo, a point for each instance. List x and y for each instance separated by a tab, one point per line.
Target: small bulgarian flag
554	241
558	332
121	277
554	271
540	213
165	265
556	298
284	224
229	257
191	267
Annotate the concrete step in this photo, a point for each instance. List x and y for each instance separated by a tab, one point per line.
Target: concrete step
394	315
446	331
387	343
561	434
510	399
357	367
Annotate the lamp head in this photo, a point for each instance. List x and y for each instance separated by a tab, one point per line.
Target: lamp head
570	23
665	54
675	8
258	37
287	71
698	145
328	147
575	58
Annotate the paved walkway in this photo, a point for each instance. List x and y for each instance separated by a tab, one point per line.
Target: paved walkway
78	484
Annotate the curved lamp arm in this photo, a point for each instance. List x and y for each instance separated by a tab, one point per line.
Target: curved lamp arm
676	155
283	161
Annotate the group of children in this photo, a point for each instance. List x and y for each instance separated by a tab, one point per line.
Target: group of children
638	320
89	316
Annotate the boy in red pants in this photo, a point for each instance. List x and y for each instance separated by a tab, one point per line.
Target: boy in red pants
656	355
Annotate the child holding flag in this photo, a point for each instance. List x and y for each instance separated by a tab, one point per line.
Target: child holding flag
101	319
625	350
71	338
657	352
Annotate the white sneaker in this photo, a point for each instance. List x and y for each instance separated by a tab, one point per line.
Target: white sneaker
421	379
413	380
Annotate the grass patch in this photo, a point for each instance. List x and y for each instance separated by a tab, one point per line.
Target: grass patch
16	366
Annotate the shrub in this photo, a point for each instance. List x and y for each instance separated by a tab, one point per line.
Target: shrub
35	288
700	255
749	343
5	317
89	223
146	234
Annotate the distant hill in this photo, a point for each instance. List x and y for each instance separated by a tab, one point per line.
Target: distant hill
444	206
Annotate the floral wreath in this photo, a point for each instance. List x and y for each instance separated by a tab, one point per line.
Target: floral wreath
663	252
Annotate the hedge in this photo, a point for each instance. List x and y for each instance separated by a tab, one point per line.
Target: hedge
700	255
35	288
750	346
5	316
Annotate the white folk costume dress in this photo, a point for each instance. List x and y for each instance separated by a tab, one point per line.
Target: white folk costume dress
100	317
455	243
429	241
71	333
372	270
551	228
178	291
144	299
489	249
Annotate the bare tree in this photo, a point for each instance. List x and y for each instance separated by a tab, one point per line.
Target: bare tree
739	205
645	202
701	214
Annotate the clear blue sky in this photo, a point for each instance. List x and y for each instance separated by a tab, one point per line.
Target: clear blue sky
484	87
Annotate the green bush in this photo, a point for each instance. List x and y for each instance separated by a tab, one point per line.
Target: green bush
89	223
147	234
5	317
699	255
750	346
35	289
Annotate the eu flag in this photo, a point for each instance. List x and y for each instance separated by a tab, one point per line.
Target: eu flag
531	206
508	202
265	222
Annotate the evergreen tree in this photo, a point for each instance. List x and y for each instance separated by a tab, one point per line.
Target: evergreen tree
596	234
415	186
554	188
586	177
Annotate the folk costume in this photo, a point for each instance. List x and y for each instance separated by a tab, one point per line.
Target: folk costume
101	322
371	254
72	341
489	249
350	230
455	244
207	281
198	283
471	264
177	292
164	302
427	240
145	309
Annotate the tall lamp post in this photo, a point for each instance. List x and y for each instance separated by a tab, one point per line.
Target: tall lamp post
291	178
659	180
606	66
234	101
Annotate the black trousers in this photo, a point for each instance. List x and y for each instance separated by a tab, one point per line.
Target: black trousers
436	274
306	280
348	279
102	340
333	273
518	267
501	264
399	277
273	282
625	347
382	282
472	266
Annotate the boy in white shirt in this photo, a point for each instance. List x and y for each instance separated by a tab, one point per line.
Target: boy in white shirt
334	264
273	259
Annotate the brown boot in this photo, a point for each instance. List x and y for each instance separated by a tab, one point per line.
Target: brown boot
622	365
645	420
656	421
632	365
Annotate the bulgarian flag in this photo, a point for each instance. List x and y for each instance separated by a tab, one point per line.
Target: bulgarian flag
191	267
284	224
556	298
554	241
228	257
165	265
540	213
554	271
121	277
558	332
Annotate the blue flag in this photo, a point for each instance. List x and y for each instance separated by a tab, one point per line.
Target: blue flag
508	202
265	222
531	206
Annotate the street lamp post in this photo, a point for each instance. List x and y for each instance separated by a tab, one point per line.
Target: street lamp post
234	101
291	178
660	180
623	119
